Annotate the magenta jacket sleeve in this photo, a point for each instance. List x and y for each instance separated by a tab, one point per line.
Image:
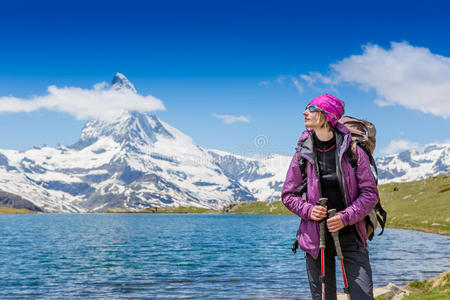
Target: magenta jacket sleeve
295	203
368	192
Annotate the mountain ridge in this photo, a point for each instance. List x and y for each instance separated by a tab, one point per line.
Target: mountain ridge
136	160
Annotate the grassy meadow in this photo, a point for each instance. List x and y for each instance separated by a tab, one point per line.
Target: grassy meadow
430	289
420	205
8	210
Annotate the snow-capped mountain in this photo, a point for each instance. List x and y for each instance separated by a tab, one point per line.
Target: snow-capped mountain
136	160
410	165
263	178
133	161
120	82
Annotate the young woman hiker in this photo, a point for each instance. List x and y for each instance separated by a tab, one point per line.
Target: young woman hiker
329	174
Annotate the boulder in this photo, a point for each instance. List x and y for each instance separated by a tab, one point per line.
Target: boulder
391	291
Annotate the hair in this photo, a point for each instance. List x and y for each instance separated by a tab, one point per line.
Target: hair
324	123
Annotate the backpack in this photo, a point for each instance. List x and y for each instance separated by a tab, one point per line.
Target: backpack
363	135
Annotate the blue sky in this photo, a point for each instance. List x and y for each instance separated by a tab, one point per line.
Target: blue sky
262	60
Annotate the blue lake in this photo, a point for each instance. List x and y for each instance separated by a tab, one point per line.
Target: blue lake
132	256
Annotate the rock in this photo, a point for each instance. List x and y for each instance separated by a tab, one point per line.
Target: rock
441	280
388	292
393	292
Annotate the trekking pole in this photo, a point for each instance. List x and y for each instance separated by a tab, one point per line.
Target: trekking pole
337	245
322	202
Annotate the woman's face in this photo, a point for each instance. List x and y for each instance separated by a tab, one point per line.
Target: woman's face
312	119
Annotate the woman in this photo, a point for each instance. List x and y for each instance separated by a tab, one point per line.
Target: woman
329	174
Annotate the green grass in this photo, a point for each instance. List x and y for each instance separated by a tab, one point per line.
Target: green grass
430	289
258	207
7	210
431	295
420	205
116	211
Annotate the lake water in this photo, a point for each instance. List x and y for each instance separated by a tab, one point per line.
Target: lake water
137	256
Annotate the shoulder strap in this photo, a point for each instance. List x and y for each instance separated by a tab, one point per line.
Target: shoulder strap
381	219
352	154
302	165
353	157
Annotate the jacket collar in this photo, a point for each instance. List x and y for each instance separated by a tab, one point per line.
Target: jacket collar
305	145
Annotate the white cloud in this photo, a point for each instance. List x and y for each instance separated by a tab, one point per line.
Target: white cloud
308	78
100	85
381	103
281	79
229	119
405	75
396	146
96	103
313	77
297	84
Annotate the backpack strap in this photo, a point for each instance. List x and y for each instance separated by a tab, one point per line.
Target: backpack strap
381	219
302	165
353	158
352	155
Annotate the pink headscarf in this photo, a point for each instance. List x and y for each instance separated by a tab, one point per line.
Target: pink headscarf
333	107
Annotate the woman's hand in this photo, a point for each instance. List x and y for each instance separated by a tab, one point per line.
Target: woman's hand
335	223
318	213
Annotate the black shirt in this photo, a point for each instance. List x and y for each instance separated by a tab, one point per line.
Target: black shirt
326	158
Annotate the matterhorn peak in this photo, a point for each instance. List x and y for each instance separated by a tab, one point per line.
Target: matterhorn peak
120	82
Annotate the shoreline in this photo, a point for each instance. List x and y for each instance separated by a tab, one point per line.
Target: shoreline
203	211
435	287
15	211
426	230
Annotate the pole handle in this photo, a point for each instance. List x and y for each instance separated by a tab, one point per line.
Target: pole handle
335	235
322	202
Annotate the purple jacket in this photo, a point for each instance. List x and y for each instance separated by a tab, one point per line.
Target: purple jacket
360	190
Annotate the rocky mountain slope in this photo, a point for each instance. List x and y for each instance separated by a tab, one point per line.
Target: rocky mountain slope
410	165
